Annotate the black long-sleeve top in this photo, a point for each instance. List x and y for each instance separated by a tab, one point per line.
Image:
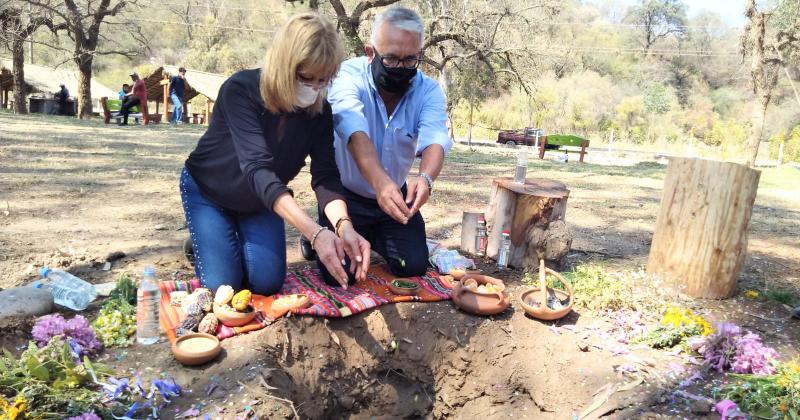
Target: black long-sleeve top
248	154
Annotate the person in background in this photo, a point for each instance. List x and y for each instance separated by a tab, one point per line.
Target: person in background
63	96
267	121
387	113
126	88
137	96
177	86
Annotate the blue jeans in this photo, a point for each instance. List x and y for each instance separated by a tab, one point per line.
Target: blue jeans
242	250
177	108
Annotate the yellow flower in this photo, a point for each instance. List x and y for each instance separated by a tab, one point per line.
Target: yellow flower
752	294
20	404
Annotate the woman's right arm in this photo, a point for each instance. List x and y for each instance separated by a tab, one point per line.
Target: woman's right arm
329	247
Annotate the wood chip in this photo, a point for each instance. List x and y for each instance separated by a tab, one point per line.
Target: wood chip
335	339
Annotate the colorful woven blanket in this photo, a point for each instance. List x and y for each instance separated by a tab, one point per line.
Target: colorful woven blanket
327	301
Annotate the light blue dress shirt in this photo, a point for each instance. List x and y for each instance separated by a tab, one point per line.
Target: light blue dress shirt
419	120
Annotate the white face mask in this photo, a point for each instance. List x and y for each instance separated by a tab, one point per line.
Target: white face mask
306	95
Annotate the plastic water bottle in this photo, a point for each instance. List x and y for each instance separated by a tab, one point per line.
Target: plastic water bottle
481	238
148	298
68	290
522	165
505	249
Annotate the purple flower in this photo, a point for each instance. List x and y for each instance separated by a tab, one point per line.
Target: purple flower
85	416
115	388
77	328
165	388
753	357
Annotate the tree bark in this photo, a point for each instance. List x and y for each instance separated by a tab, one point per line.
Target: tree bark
534	215
84	62
700	240
18	74
756	131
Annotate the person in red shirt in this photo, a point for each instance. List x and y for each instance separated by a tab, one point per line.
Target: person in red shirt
137	96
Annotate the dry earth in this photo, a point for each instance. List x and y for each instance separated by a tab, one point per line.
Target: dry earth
73	192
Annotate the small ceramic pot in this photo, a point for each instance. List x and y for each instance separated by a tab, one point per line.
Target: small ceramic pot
470	300
231	318
193	358
403	290
533	306
291	302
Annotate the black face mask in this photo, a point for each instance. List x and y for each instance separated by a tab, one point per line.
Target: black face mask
393	80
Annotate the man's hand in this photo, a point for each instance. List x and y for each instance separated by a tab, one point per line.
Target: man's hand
417	195
390	200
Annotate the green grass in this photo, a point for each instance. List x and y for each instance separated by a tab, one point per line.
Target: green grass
784	296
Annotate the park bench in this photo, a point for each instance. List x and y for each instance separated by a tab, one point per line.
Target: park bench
111	109
564	142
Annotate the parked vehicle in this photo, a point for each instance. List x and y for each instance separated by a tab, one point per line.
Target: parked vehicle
527	136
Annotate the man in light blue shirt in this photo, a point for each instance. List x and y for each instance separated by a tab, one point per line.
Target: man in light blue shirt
386	113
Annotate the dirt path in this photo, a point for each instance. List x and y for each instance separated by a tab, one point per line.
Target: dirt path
72	192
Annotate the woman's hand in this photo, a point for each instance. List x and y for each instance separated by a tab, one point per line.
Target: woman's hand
357	248
330	249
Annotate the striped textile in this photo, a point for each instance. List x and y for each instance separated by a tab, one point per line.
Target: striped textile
327	301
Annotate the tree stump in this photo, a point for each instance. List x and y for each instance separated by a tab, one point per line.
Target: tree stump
700	239
469	229
534	214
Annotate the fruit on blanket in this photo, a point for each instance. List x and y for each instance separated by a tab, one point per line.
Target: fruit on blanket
189	323
208	324
201	296
176	298
224	295
241	300
289	302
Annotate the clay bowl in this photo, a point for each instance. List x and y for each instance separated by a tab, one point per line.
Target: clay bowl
459	273
196	348
231	318
470	300
531	300
291	302
403	290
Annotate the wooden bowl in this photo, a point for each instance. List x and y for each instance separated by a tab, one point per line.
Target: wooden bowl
291	302
459	273
231	318
480	303
531	300
196	348
403	290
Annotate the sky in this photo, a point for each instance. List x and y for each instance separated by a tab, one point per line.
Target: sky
730	11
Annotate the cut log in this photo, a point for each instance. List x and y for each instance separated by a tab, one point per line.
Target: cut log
469	228
534	214
700	239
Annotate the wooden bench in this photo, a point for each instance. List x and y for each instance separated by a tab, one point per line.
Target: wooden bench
565	143
111	109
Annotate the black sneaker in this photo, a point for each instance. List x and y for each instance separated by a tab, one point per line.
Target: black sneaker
305	248
188	251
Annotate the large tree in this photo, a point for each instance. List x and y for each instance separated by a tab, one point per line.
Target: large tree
16	26
83	22
656	20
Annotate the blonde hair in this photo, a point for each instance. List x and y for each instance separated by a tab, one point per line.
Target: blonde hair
307	41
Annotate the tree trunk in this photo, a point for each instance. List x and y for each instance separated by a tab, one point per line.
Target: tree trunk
84	62
534	214
700	239
18	74
754	140
469	133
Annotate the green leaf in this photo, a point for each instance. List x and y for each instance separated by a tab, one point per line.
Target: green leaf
764	413
37	370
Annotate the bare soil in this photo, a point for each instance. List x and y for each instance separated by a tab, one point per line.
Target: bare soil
72	192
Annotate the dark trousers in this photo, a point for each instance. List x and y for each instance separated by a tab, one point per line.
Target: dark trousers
404	247
125	109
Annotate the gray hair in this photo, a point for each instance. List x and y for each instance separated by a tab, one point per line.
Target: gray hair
401	18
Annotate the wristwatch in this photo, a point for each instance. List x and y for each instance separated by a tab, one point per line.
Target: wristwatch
428	180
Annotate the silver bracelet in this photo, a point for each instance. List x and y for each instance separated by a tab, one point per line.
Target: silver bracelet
428	180
314	238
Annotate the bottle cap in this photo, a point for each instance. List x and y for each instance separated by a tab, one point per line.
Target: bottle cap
149	271
44	271
506	232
